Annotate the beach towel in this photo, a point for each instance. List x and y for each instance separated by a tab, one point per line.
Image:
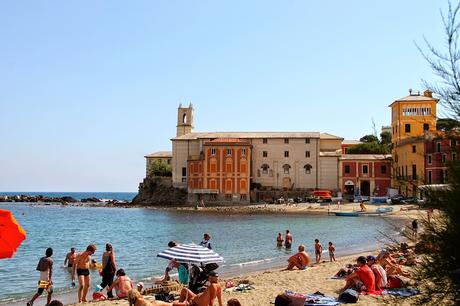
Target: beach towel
320	300
403	292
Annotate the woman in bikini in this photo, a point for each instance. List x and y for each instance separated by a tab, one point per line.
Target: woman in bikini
122	284
81	266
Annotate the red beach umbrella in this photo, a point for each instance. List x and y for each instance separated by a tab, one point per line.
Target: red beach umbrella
11	234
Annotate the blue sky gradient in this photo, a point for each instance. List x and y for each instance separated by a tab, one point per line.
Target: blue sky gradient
90	87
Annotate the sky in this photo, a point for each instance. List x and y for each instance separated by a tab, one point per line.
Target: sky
90	87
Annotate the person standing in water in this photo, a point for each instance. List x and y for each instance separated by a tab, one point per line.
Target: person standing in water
70	258
279	240
109	267
81	266
288	240
206	241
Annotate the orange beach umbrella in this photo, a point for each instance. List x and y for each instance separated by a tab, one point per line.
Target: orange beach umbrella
11	234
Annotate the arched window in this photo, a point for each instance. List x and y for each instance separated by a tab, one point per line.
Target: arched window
286	168
265	168
307	168
184	118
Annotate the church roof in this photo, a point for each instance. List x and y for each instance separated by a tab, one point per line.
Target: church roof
249	135
163	154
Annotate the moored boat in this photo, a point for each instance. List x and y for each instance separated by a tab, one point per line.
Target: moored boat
347	213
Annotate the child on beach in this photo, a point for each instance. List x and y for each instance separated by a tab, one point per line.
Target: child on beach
331	249
318	250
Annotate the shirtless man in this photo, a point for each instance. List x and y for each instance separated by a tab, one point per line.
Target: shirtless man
45	266
205	298
299	260
81	266
288	240
318	250
122	284
70	258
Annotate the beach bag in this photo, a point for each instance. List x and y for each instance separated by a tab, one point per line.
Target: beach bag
297	299
349	296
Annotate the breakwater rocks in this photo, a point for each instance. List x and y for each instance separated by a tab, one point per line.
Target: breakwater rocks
67	200
158	191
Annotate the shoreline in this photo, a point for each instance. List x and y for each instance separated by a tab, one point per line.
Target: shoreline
241	271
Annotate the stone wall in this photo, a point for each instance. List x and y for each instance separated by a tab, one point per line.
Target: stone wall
159	191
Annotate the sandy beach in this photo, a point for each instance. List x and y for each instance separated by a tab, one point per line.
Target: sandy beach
268	284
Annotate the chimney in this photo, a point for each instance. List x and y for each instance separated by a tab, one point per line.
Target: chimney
428	93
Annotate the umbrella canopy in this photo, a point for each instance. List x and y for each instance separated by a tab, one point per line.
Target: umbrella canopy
11	234
191	253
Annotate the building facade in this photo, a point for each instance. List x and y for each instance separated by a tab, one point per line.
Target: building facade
150	159
412	117
280	160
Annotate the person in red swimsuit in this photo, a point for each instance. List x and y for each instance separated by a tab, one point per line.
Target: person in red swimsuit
363	279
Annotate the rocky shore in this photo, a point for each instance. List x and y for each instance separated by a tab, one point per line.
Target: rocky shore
65	200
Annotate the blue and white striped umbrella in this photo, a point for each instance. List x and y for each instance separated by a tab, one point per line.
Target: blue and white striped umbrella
191	253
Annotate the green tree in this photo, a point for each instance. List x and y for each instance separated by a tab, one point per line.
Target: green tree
369	138
160	168
368	148
385	138
447	124
439	276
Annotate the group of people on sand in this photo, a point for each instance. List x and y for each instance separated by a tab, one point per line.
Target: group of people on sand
80	265
373	274
301	259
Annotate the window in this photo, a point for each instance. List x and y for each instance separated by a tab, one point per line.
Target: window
407	128
347	169
265	168
453	142
286	168
396	158
286	140
229	167
229	152
307	153
414	172
426	126
307	168
454	156
365	169
438	147
383	169
414	148
286	153
429	159
429	176
213	151
307	140
443	158
264	140
243	151
265	154
184	171
243	197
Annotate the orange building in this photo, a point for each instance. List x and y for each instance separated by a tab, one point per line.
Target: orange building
412	117
221	172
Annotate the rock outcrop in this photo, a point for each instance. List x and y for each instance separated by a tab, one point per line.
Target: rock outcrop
158	191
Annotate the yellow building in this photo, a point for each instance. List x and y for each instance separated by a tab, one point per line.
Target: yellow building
411	118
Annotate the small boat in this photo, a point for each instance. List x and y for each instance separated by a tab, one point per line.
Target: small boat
381	210
347	213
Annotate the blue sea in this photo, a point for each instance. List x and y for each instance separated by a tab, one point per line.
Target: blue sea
246	241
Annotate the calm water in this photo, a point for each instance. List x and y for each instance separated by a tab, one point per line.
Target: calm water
139	234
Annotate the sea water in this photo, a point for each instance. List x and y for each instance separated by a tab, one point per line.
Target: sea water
246	241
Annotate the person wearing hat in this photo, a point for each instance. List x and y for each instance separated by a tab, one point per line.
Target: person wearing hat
379	273
205	298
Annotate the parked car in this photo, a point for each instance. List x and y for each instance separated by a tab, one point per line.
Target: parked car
280	201
298	200
397	199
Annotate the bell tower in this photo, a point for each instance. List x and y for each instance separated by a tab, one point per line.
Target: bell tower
184	120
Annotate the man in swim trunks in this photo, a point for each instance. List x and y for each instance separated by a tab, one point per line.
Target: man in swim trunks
45	266
70	258
318	250
288	240
81	266
299	260
205	298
